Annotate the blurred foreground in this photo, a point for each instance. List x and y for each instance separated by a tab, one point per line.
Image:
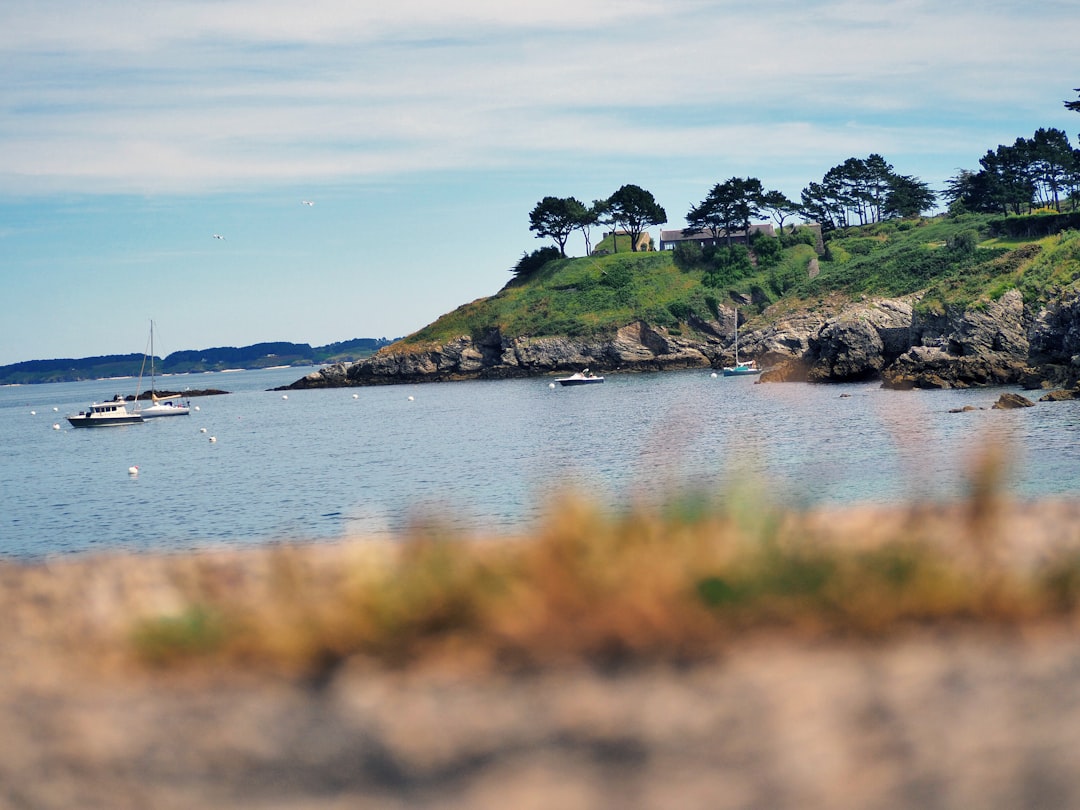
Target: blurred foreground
690	655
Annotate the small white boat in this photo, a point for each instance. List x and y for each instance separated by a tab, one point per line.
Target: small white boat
106	414
582	377
745	368
160	406
164	406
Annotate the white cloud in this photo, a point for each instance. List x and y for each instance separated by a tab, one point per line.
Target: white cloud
204	95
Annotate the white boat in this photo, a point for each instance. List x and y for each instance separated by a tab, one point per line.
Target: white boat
745	368
740	369
170	405
106	414
582	377
164	406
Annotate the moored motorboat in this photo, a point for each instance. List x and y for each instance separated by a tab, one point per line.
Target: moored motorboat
582	377
106	414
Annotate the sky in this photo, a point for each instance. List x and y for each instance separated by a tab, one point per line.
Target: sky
424	132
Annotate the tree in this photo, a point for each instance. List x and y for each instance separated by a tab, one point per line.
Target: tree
778	207
821	204
1053	164
907	197
635	209
1008	179
557	218
1073	105
593	215
712	214
728	206
529	263
864	191
971	191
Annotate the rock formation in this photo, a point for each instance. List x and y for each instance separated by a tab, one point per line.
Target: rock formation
903	344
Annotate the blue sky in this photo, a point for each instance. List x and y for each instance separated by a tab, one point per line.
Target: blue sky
425	132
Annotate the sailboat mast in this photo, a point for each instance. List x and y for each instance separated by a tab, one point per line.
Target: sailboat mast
737	337
151	361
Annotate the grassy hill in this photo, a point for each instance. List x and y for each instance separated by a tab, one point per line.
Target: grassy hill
951	259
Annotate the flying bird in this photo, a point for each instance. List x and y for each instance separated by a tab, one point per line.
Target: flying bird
218	236
307	202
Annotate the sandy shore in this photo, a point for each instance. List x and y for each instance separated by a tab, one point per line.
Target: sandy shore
961	716
953	720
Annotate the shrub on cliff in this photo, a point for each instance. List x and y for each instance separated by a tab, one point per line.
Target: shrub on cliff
529	263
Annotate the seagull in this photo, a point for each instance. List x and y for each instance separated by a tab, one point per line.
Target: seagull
218	236
307	202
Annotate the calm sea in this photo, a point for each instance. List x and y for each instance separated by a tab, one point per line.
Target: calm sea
369	461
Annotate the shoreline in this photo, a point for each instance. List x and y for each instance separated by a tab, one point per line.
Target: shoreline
957	714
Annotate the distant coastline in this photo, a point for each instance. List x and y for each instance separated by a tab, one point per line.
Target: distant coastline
189	361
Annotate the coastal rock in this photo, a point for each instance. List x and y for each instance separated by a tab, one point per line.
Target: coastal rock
1055	332
847	350
785	340
998	328
1009	401
933	367
859	343
988	343
333	376
981	345
636	347
1061	395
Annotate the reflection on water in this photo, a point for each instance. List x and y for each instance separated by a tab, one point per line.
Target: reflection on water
323	464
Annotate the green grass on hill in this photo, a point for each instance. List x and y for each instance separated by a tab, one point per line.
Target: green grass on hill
950	260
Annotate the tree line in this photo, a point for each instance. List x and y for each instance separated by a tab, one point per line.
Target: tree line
631	207
1039	172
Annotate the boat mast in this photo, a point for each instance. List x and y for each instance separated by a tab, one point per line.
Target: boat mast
736	336
151	361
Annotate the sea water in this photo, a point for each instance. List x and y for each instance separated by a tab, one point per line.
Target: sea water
483	456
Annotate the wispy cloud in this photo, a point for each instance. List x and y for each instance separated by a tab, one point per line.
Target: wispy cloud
190	96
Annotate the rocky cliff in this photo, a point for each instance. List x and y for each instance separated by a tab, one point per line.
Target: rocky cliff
903	344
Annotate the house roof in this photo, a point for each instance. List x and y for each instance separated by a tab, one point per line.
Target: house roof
678	236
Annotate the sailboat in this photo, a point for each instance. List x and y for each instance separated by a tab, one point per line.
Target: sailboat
170	405
745	368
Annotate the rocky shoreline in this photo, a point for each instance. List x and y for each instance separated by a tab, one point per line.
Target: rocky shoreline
1001	342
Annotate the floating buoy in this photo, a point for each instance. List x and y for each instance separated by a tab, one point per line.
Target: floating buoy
133	470
284	396
410	399
202	430
56	410
356	396
33	413
56	427
196	407
551	385
713	375
213	439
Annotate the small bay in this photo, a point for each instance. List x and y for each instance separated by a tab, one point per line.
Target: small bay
485	456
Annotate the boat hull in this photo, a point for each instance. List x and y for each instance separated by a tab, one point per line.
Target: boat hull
104	421
587	381
740	371
105	414
156	411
